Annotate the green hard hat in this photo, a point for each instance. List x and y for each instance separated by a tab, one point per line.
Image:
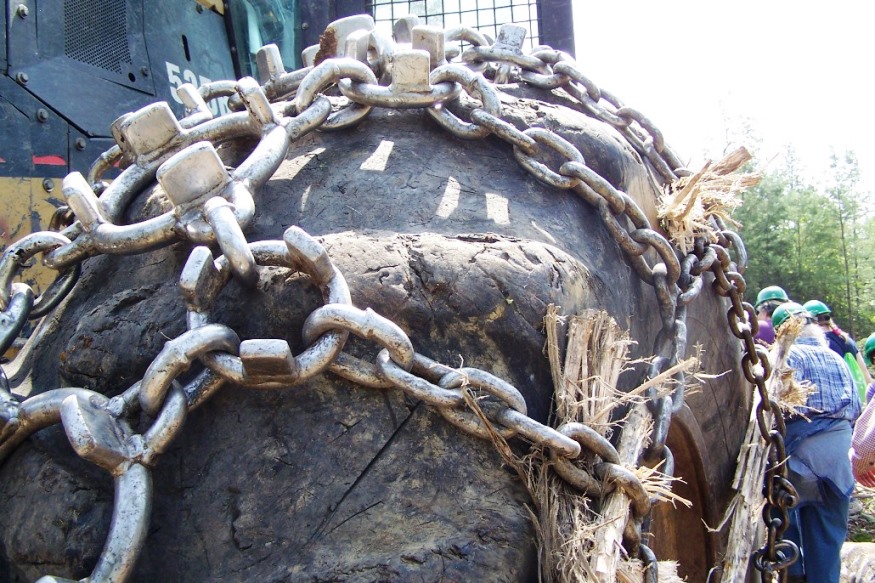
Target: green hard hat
817	308
785	310
773	292
869	347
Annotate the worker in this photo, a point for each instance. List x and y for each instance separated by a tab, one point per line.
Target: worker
817	442
863	446
863	440
768	299
842	343
869	358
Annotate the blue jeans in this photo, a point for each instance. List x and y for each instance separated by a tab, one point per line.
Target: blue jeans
820	530
820	471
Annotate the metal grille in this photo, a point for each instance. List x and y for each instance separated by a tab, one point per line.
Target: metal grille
96	33
485	15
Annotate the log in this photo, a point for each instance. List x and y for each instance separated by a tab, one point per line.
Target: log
607	543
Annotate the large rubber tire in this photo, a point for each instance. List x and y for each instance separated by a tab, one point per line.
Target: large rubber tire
329	481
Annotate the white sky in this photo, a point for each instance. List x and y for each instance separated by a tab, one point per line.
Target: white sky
800	72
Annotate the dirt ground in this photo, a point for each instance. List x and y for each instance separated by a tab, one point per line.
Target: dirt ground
858	553
861	521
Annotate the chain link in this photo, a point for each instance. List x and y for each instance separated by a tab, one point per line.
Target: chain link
99	432
14	317
777	554
214	205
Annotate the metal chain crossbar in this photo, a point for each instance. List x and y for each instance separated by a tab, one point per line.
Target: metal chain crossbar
211	204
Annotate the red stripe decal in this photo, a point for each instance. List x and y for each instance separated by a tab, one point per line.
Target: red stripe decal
49	160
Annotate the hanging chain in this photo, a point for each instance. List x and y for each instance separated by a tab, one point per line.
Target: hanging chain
780	495
214	205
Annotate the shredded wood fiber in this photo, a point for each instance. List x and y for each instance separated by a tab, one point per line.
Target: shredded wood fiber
580	538
685	209
787	391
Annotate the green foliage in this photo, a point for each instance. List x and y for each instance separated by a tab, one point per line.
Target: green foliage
814	242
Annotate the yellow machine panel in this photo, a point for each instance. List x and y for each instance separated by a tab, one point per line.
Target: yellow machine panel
27	206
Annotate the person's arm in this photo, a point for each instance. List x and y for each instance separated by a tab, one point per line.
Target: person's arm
864	369
863	447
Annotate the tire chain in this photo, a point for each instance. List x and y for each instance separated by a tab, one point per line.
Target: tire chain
213	205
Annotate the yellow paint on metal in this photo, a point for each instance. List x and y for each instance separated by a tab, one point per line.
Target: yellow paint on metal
27	207
217	5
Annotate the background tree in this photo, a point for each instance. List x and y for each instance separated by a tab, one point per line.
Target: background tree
814	242
848	204
769	233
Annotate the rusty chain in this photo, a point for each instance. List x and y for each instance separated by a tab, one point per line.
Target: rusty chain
214	205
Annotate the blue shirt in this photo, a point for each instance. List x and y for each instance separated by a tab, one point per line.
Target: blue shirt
835	396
